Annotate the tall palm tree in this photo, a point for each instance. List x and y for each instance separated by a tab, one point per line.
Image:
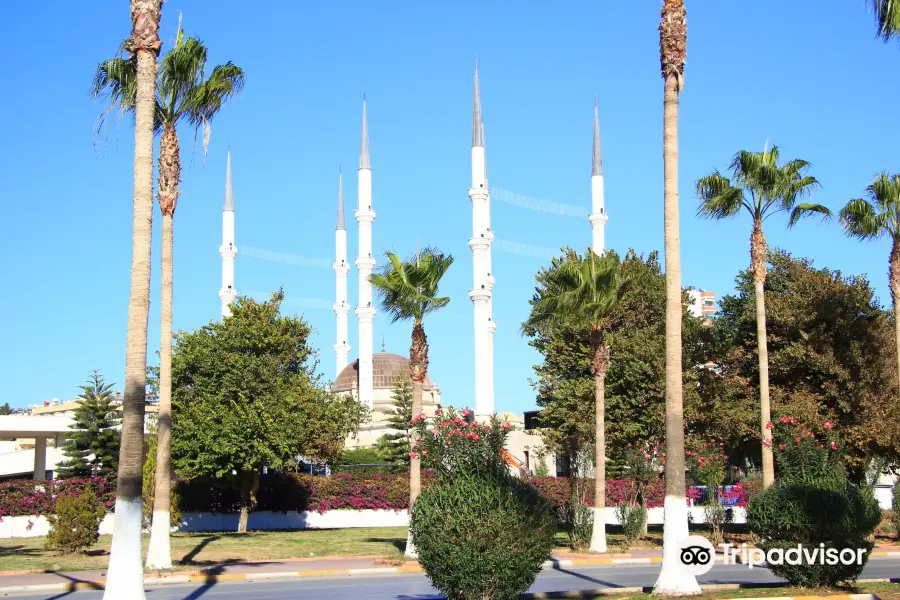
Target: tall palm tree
672	54
875	218
587	290
887	16
409	290
183	95
762	188
125	575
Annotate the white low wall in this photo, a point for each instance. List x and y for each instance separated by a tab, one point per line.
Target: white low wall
18	527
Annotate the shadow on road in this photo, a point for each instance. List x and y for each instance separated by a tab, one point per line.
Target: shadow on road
72	583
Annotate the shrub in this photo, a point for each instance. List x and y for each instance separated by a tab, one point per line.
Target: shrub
482	537
812	504
76	524
895	509
22	497
632	518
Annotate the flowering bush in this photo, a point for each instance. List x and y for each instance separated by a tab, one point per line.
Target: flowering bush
812	503
707	464
556	490
20	497
449	443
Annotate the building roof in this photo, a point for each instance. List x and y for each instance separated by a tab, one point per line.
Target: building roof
386	368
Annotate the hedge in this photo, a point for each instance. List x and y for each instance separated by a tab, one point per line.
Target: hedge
24	497
287	492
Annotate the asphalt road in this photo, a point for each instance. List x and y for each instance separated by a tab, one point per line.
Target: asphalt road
416	587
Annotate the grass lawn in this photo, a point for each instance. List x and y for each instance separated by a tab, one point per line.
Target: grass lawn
199	549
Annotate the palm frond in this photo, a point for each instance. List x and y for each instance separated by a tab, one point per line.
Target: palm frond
408	289
718	198
860	220
887	17
805	209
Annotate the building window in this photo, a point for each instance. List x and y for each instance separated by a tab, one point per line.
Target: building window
563	466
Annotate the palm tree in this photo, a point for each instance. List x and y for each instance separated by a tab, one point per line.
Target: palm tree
880	217
763	188
672	54
183	94
887	15
125	575
408	290
587	290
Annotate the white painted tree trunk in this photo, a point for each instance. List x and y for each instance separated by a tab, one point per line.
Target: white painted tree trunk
125	574
159	553
598	532
410	547
673	579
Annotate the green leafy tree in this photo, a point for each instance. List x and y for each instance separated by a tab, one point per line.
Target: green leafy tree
762	187
183	95
408	290
5	409
246	396
394	447
586	290
879	217
832	357
92	449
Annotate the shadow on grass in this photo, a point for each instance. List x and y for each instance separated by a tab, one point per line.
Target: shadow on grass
189	557
399	544
19	551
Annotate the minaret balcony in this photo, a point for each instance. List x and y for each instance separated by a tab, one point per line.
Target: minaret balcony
341	308
364	216
228	292
492	326
228	250
481	295
365	314
341	268
480	244
343	348
600	218
478	194
365	264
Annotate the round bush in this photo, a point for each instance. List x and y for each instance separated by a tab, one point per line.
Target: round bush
813	513
482	537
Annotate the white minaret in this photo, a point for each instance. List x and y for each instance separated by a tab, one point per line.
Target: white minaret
365	263
598	210
483	281
341	267
228	250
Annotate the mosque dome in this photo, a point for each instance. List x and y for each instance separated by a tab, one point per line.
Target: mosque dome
386	368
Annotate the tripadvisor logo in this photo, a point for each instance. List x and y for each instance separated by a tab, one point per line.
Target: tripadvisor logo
698	555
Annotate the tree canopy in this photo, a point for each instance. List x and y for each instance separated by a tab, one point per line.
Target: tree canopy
92	449
246	395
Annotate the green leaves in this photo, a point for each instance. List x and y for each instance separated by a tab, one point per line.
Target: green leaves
887	16
759	185
877	216
93	446
408	288
245	395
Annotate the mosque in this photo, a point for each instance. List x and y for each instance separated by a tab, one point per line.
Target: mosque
372	377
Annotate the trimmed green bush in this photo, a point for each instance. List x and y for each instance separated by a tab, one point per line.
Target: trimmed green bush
481	536
76	525
631	518
813	504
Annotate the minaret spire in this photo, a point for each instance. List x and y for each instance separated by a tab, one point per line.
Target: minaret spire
598	215
341	268
228	250
483	280
365	264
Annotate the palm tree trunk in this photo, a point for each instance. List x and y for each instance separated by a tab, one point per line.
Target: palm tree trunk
673	580
598	533
159	553
418	369
758	260
125	575
895	296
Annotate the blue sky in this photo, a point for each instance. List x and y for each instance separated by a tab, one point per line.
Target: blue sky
809	76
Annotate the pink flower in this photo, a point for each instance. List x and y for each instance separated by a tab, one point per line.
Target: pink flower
466	412
782	446
834	445
425	451
506	426
412	455
828	425
437	412
767	443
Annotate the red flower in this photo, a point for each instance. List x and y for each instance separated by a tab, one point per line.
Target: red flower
782	446
834	445
770	425
828	425
506	426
